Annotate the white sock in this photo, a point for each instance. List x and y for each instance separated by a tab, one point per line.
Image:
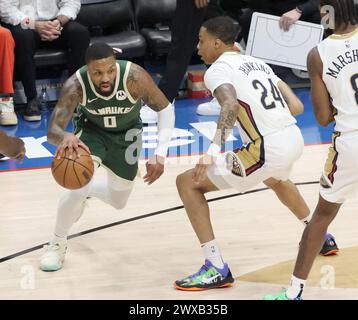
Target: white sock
296	287
305	221
212	253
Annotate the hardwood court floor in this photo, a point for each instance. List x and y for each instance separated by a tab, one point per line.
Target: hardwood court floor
140	259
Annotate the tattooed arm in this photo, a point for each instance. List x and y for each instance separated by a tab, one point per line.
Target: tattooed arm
141	86
227	98
70	97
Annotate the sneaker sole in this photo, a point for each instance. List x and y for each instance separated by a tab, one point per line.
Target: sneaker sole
53	268
32	118
8	122
226	285
50	269
207	113
329	253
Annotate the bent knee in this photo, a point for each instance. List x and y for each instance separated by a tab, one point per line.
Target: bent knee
118	203
274	184
183	180
118	199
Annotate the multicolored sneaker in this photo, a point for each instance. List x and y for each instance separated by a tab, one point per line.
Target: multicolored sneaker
208	277
329	247
281	296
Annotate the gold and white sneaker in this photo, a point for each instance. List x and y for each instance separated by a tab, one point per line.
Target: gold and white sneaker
7	113
53	258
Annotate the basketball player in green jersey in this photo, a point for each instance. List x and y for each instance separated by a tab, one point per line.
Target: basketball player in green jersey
106	95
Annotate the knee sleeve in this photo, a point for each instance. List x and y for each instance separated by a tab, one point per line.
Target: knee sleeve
119	190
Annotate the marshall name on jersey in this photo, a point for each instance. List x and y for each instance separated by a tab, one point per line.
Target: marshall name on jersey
343	60
118	112
339	55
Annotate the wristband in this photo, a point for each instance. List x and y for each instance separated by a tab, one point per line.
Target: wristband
214	150
166	121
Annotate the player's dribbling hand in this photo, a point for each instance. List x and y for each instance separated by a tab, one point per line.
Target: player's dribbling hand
71	142
200	170
155	168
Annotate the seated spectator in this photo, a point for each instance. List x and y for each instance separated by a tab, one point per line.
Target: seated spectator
7	45
43	23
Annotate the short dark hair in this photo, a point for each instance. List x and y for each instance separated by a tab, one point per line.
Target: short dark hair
99	50
224	28
344	11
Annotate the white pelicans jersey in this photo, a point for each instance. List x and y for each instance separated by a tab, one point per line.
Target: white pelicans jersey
339	54
263	109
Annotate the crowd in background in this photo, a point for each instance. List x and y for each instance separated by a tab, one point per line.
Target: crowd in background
27	25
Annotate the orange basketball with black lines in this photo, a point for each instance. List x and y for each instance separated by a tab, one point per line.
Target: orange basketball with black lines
73	173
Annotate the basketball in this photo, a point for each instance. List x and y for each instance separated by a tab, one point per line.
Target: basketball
70	173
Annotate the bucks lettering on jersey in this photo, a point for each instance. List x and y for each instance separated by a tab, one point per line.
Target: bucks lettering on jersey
117	112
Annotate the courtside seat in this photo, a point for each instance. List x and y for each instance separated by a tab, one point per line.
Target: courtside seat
154	18
113	22
48	57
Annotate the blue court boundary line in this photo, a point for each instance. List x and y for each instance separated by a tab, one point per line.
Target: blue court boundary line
113	224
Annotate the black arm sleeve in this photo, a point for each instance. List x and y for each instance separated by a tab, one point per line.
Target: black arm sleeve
309	7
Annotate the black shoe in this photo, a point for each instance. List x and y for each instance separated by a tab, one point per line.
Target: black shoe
1	156
329	247
32	111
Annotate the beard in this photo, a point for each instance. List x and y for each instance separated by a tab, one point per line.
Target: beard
106	92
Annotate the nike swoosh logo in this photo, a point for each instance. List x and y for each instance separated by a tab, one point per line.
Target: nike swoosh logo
89	101
211	279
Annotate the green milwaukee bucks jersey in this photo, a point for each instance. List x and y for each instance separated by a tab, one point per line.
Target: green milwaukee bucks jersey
117	112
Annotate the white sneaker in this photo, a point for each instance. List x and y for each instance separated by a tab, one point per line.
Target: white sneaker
300	73
7	113
148	115
211	108
54	256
